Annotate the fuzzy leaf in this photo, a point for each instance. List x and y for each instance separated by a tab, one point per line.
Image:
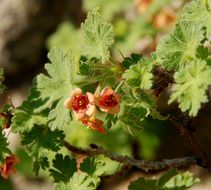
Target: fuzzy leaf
170	180
198	12
139	75
79	182
178	48
181	181
28	114
64	168
136	96
57	86
131	117
137	105
191	84
98	36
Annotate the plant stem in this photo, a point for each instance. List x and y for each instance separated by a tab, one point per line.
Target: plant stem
143	165
182	125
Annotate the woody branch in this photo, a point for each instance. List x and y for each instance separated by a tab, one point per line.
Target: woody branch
143	165
183	123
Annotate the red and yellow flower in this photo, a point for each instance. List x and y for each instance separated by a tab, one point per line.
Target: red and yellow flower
108	101
94	124
82	105
84	108
9	166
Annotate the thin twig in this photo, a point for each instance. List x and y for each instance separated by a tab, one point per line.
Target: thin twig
143	165
197	149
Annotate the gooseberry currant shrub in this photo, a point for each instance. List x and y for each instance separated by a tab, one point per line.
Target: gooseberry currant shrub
94	89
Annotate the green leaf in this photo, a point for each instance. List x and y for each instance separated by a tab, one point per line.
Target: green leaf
134	59
28	114
40	162
92	166
180	47
84	67
198	12
182	181
79	181
170	180
98	36
136	96
131	117
96	166
57	85
44	138
2	87
6	114
166	177
202	52
59	115
140	75
191	84
39	141
142	184
64	168
94	71
110	120
4	150
137	104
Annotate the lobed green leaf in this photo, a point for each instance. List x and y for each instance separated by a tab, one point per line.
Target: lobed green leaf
65	167
97	166
57	85
29	114
39	142
177	49
181	181
171	180
192	82
80	181
198	12
140	74
98	36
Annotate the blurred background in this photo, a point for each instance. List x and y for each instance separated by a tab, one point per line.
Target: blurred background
29	28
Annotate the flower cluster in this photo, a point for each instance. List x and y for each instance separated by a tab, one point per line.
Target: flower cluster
84	106
164	17
8	167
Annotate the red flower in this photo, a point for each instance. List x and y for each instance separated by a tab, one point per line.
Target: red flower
82	105
108	101
142	5
8	167
164	18
94	124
